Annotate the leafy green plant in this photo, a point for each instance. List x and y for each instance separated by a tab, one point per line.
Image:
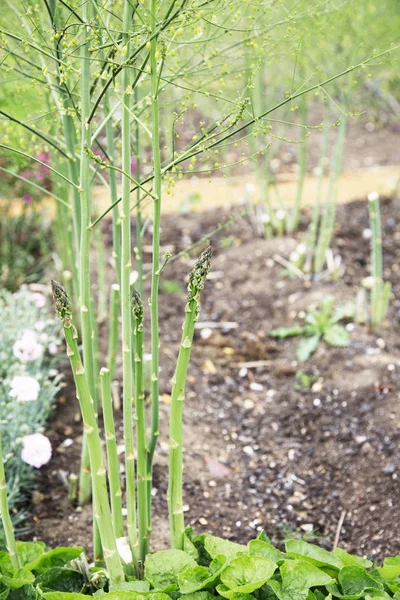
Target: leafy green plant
321	323
209	567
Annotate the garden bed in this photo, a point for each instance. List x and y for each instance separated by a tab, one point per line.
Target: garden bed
258	452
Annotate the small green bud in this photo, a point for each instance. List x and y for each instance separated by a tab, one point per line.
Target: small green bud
63	303
199	274
137	304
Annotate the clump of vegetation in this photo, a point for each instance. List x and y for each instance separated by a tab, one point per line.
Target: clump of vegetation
109	74
25	245
209	567
321	323
28	385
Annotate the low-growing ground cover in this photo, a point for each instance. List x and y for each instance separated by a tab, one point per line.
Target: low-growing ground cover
209	567
260	453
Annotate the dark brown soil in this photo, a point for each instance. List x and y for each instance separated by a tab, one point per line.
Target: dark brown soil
258	452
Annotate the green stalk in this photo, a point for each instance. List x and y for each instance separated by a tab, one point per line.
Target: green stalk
101	276
138	249
376	259
329	216
84	264
313	228
5	516
140	415
293	222
113	330
112	454
116	223
126	313
102	513
175	496
155	270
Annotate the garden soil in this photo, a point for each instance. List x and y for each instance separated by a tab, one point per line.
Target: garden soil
260	453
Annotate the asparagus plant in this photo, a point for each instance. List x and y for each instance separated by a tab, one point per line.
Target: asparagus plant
381	290
175	502
102	511
143	477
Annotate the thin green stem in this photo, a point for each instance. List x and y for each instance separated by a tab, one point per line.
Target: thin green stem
155	276
113	330
140	416
5	516
102	512
126	265
112	453
85	235
175	483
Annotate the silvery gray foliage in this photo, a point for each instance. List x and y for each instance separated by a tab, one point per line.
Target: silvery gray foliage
29	348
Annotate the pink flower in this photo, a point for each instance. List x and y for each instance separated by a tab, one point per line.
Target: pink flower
39	299
27	348
24	388
36	450
27	198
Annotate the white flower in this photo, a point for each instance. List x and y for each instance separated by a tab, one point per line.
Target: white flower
40	325
24	388
250	189
43	338
27	348
39	299
36	450
53	348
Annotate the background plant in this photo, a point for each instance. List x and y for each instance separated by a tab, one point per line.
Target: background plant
321	323
28	385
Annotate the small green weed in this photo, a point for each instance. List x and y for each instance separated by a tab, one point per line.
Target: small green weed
321	323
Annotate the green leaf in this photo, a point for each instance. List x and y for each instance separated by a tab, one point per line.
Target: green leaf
188	545
298	577
350	559
60	579
55	558
391	568
307	347
345	311
245	574
285	332
4	595
163	568
135	586
266	550
336	335
28	552
63	596
216	546
312	554
27	592
198	578
355	580
19	579
199	596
